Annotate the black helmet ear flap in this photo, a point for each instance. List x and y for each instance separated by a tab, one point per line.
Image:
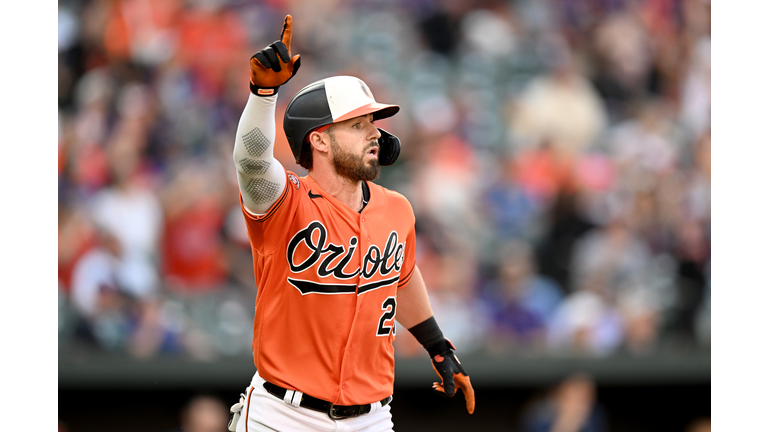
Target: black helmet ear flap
389	148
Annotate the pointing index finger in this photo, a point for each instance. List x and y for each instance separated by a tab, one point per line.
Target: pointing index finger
287	33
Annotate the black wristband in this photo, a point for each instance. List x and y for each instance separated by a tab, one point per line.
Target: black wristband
430	336
263	91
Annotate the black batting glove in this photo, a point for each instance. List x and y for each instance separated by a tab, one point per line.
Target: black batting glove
273	66
452	374
444	361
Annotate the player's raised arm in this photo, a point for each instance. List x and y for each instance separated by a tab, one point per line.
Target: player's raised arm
262	177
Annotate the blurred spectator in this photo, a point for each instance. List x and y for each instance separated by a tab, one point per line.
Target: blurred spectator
445	188
192	249
521	303
203	413
512	211
613	251
439	25
94	278
542	173
212	40
111	316
645	142
130	211
153	332
624	53
93	95
452	295
697	88
238	250
560	107
102	302
586	322
76	237
567	224
142	30
571	406
692	252
489	32
641	313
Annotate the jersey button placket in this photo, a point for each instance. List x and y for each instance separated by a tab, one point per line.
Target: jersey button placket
363	233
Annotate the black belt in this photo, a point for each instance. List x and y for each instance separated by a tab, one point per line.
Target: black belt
336	412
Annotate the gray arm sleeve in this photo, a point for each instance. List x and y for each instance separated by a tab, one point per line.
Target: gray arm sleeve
261	177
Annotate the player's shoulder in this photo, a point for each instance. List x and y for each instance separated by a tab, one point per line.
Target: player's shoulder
393	198
376	188
294	180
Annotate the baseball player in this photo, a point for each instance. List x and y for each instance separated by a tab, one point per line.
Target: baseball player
333	257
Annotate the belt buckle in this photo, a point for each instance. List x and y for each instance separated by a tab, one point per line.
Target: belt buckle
333	412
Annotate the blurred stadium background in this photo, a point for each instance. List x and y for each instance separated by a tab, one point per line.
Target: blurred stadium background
556	153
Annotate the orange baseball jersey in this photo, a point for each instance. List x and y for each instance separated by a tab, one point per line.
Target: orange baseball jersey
327	280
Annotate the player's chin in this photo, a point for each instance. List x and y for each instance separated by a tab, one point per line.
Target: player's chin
370	170
371	161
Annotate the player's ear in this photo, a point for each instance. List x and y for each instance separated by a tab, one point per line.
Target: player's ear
319	142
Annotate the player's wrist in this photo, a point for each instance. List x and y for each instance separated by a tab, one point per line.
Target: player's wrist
430	336
263	91
443	347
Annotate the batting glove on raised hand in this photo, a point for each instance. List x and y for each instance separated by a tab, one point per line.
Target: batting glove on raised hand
273	66
452	374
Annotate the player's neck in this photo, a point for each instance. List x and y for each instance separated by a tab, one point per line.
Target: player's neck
349	193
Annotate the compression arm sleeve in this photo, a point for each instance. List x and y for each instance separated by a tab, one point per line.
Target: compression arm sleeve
260	176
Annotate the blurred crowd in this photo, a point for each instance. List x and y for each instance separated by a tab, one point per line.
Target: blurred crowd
556	153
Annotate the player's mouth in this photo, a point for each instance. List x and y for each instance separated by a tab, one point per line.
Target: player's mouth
373	151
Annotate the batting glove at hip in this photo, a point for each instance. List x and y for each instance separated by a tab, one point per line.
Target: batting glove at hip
273	66
236	411
452	374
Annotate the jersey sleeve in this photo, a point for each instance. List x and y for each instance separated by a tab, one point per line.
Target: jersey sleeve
269	231
409	257
409	260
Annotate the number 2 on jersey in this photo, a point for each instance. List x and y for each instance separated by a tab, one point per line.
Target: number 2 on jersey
389	306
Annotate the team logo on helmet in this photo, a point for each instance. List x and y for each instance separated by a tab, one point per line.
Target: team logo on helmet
365	88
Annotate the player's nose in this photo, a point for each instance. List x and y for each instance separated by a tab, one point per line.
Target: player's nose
375	134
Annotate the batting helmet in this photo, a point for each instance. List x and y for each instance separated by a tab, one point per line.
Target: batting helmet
332	100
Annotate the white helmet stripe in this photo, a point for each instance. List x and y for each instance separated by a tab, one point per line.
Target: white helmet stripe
349	95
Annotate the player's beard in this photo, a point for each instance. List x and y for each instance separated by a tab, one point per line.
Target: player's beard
352	166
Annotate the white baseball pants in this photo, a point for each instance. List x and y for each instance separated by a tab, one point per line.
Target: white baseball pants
263	411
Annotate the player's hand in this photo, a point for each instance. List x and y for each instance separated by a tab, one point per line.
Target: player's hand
452	374
273	66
